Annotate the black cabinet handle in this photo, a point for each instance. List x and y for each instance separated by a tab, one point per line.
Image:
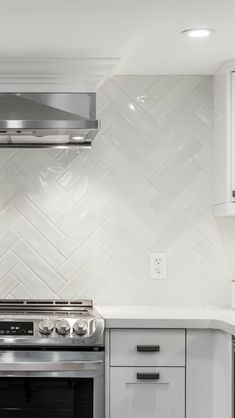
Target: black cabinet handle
148	348
147	376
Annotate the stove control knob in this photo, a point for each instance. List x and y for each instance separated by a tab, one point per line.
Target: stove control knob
46	327
62	327
80	327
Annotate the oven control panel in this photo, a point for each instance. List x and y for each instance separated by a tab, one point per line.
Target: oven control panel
16	328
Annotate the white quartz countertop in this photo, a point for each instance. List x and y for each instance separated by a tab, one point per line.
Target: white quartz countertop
168	317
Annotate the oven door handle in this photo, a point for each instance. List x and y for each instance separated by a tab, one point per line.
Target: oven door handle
44	366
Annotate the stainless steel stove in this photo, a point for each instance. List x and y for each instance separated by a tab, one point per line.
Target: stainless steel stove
50	322
51	359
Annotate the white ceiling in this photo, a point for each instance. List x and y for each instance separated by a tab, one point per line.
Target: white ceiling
145	34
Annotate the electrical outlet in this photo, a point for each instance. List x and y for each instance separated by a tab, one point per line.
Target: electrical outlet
158	266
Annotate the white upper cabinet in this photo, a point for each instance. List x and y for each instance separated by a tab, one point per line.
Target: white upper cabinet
224	140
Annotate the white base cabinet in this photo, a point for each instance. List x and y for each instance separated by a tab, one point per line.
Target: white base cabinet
146	373
165	373
209	366
170	343
131	397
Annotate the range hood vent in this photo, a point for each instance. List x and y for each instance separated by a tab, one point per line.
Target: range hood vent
47	120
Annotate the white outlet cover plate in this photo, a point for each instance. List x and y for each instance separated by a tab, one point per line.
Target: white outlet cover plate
158	266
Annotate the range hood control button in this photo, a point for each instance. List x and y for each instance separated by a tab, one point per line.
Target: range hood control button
46	327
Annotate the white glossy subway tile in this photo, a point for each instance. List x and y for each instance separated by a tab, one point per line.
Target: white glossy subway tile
31	259
84	253
37	241
32	282
83	223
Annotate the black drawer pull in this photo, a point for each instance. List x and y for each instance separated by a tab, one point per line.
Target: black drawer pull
148	348
148	376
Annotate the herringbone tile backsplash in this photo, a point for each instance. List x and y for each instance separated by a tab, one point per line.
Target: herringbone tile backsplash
84	224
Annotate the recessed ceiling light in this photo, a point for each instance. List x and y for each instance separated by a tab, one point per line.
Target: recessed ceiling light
198	33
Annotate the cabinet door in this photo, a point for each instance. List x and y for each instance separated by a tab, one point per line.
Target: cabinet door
162	397
170	344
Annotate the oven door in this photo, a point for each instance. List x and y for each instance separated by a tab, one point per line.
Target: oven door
51	384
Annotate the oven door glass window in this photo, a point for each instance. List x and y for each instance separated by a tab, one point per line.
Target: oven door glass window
46	397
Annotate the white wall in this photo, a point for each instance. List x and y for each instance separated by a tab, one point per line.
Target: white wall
83	225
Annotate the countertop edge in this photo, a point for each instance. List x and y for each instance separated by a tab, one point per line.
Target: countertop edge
217	319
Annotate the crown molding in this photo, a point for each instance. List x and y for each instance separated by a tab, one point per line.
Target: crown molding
55	73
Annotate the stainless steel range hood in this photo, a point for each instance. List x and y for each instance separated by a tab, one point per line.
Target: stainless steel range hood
46	120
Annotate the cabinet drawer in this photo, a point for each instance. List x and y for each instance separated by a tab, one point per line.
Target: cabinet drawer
152	347
151	397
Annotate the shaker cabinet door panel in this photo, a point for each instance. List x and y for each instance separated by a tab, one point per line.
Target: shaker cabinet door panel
169	347
137	392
